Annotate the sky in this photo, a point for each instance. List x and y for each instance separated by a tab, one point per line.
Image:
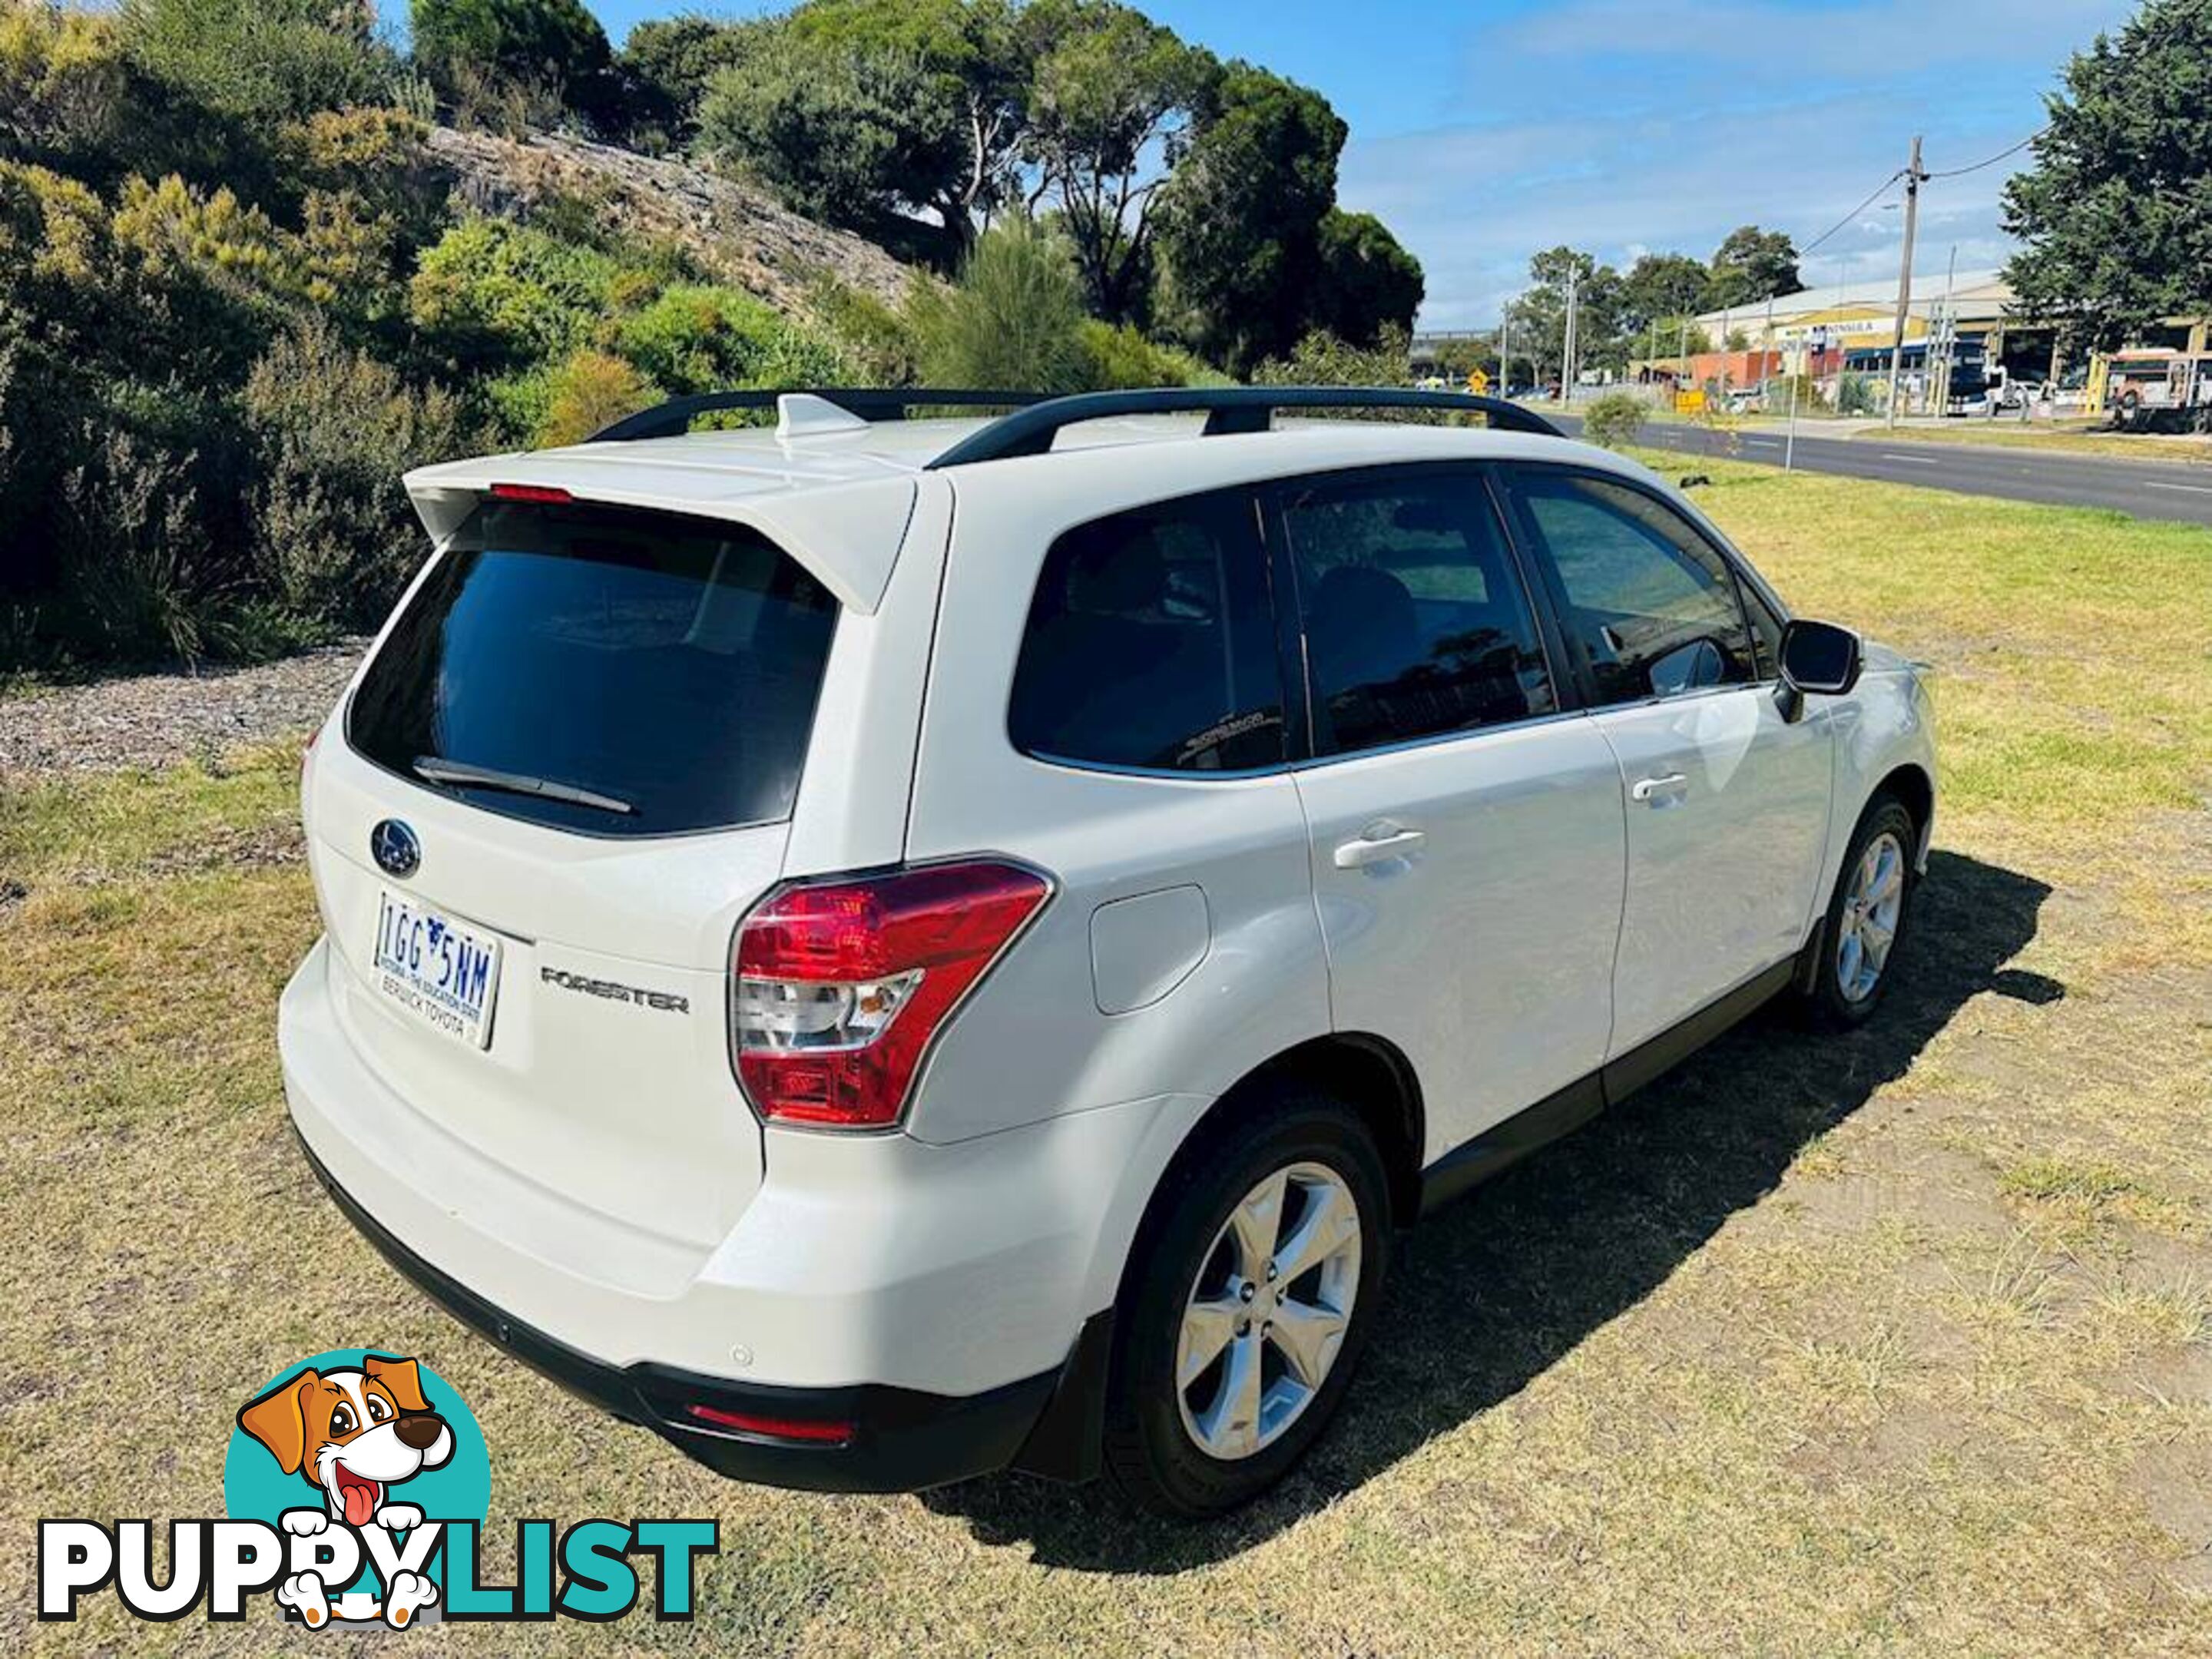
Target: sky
1483	131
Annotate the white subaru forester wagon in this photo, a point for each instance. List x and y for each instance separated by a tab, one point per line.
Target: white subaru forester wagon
884	948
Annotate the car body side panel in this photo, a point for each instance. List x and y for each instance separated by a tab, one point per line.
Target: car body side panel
1485	955
1723	865
1031	1042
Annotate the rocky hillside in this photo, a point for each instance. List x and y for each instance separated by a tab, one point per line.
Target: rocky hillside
741	234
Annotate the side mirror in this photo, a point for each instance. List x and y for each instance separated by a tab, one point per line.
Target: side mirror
1818	658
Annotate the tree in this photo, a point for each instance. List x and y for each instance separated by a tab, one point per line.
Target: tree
1751	265
1111	108
1368	280
1662	285
671	61
2117	210
555	44
1538	316
975	68
1241	222
847	132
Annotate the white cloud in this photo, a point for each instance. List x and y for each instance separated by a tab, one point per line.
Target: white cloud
1794	114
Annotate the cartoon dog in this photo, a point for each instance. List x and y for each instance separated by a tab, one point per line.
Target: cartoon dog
353	1435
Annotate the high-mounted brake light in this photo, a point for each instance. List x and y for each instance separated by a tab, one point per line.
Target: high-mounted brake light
550	494
838	989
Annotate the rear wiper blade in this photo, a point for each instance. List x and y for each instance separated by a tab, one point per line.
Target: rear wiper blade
515	783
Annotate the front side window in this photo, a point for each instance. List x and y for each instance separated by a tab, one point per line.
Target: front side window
1649	603
1150	644
1416	622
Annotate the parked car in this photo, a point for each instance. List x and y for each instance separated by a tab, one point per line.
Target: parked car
884	948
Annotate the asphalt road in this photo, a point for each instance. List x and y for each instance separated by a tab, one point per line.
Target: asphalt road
2179	490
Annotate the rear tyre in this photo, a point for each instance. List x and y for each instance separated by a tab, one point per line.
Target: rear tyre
1866	918
1252	1291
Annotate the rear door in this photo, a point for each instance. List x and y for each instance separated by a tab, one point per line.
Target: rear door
1465	827
587	727
1727	801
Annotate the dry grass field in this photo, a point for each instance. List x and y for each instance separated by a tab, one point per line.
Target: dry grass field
1897	1343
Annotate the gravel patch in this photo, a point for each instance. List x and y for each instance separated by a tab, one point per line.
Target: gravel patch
157	719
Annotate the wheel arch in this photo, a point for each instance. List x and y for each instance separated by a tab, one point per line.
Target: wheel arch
1369	1072
1914	789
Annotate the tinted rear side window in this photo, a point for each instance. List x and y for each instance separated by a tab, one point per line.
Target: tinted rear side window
665	663
1151	643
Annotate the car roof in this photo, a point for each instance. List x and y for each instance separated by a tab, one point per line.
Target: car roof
840	499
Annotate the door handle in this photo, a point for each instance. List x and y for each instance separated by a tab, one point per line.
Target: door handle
1377	844
1658	791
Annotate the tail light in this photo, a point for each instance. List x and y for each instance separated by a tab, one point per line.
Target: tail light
838	989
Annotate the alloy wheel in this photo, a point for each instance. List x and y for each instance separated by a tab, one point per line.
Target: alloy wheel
1867	927
1268	1313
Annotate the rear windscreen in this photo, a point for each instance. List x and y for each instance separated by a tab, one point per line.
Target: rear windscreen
599	669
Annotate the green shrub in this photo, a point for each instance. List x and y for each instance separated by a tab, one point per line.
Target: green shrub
1613	420
258	63
62	80
704	339
1013	321
590	391
1121	357
334	536
138	575
490	294
876	341
1322	359
1855	394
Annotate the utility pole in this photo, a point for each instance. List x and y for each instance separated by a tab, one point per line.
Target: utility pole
1505	357
1567	345
1913	175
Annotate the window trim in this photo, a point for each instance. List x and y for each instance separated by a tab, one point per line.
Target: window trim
1529	541
1271	496
1256	543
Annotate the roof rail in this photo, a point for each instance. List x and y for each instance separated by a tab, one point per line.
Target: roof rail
1031	429
673	418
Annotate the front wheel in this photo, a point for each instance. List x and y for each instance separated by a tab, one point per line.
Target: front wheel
1866	916
1252	1294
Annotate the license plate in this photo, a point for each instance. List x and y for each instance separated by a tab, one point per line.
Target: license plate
444	973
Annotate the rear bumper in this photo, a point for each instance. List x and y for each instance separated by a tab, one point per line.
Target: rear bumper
901	1439
944	1299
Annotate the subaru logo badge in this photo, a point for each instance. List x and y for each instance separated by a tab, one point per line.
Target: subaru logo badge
395	849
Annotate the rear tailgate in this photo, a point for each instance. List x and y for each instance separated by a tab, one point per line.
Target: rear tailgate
591	723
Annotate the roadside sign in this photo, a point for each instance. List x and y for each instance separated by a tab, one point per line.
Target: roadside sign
1478	382
1690	401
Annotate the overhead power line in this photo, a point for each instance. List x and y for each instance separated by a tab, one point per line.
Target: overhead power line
1852	214
2014	149
1948	172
